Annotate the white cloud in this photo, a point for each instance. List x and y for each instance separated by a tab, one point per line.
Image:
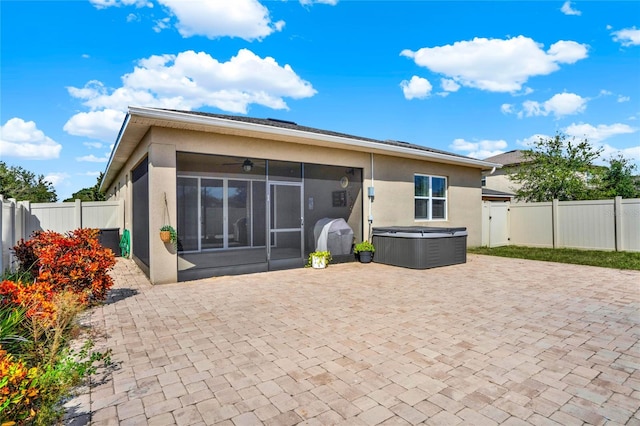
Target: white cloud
310	2
627	36
246	19
568	10
506	108
497	65
560	105
623	98
480	149
102	4
23	139
417	87
529	142
56	178
632	153
96	145
188	81
93	159
596	134
162	24
449	85
102	125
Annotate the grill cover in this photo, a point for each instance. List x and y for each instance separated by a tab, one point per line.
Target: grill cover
333	235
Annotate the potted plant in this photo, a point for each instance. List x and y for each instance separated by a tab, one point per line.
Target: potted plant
169	235
319	259
364	251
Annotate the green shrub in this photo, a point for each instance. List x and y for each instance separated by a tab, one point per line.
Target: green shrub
364	246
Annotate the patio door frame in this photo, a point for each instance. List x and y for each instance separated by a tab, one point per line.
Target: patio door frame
225	210
275	264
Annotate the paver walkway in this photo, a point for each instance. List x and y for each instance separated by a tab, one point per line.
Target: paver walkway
492	341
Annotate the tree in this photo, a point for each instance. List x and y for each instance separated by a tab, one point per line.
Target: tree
23	185
556	168
619	179
89	194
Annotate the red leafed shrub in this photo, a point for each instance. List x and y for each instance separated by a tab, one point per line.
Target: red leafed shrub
75	262
36	298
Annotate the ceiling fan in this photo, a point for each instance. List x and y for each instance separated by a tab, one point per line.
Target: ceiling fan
247	165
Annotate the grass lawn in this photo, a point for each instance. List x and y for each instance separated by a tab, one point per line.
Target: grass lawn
606	259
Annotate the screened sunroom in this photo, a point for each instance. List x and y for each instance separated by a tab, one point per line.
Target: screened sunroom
238	215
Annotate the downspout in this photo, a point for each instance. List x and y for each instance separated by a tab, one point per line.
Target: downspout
371	194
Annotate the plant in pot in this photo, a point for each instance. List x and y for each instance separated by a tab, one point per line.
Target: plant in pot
364	251
319	259
168	234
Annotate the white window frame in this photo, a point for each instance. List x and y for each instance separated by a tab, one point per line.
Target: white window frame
430	198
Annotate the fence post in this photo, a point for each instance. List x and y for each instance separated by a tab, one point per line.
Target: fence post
555	222
2	265
8	234
121	215
23	219
617	222
78	213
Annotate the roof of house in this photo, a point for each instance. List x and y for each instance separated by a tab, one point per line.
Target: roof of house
494	193
274	122
140	119
508	158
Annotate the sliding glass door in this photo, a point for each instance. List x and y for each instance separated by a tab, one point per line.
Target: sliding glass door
220	213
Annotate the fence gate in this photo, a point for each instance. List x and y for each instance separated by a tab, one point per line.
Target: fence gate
495	224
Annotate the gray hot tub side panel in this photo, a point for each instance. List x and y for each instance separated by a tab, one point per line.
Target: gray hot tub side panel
420	250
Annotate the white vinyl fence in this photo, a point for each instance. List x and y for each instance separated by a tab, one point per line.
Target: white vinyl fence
595	224
20	219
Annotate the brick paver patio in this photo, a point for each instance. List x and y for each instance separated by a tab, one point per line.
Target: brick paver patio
492	341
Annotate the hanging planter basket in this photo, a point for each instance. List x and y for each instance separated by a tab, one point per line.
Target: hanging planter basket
165	236
169	235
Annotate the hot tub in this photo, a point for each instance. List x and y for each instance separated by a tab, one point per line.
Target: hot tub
420	247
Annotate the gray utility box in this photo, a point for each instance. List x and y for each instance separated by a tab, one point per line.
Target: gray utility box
110	238
420	247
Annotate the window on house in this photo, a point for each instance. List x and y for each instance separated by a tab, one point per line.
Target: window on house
430	197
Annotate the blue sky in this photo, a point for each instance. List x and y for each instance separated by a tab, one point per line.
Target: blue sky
475	78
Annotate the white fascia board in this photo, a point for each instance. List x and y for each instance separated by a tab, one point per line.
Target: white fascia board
359	143
104	187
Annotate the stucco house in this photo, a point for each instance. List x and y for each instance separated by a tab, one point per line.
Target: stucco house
498	180
248	194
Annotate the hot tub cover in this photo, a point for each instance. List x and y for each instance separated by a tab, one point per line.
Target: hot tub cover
420	247
419	231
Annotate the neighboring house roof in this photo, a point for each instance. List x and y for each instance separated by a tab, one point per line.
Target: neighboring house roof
509	158
140	119
494	193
